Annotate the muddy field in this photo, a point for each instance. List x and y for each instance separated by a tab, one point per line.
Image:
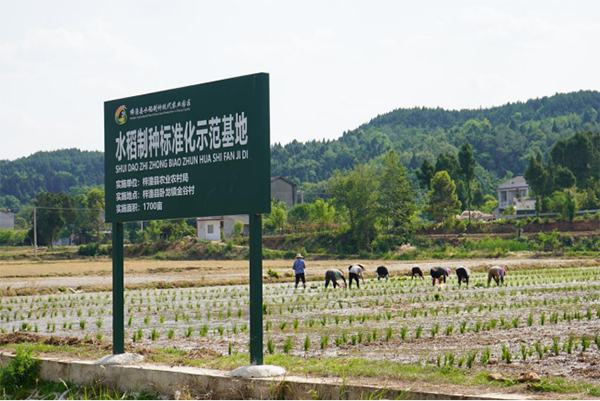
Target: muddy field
545	320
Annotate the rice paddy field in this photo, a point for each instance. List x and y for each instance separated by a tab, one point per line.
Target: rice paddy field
544	320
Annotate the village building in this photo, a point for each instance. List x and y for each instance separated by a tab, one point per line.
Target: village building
7	219
515	192
215	228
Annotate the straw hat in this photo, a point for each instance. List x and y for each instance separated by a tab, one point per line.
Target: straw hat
299	256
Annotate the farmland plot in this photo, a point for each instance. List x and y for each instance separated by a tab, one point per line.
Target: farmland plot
543	320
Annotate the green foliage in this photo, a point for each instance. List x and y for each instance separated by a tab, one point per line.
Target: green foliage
92	249
20	373
277	219
273	273
442	201
425	174
12	237
56	171
238	229
356	191
396	199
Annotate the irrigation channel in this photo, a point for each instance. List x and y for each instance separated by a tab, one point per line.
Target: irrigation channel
543	320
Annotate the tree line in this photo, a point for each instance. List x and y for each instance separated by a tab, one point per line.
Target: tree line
377	207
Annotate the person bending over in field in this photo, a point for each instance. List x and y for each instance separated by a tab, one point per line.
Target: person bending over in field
334	275
439	273
497	273
383	273
463	274
299	267
416	271
355	271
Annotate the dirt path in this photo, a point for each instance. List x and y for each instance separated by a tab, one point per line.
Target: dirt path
76	273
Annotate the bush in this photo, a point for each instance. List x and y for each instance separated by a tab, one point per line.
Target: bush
92	249
273	273
20	374
12	237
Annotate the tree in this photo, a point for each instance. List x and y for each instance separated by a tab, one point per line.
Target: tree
277	219
447	162
357	192
238	229
537	178
95	204
564	178
442	200
53	215
467	164
581	155
396	198
478	196
299	214
322	213
425	174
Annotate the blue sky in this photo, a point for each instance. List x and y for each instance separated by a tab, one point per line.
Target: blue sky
333	65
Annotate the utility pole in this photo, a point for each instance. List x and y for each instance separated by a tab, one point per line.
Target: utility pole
35	231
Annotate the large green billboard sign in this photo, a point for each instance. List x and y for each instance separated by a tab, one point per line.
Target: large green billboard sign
201	150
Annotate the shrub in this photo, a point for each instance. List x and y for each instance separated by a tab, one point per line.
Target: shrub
273	273
20	373
92	249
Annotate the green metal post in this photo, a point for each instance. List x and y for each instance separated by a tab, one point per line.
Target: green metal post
256	290
118	290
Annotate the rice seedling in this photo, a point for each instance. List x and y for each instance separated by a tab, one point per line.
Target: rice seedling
270	346
555	346
471	358
418	331
485	356
306	343
288	345
506	354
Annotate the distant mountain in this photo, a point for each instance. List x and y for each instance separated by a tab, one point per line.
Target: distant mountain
56	171
502	138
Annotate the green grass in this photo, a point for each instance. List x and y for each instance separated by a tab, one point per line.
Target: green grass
337	367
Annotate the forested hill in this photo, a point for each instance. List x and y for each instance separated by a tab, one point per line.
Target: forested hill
502	137
56	171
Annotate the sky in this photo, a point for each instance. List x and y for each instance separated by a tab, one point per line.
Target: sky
333	65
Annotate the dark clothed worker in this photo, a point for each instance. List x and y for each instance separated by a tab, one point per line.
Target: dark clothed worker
299	267
463	274
497	273
355	271
333	275
383	273
416	272
439	273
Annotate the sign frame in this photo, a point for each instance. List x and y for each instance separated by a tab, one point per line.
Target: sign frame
242	188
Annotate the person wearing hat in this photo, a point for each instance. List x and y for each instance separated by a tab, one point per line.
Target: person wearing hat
299	267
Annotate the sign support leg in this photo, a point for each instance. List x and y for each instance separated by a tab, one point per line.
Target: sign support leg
256	290
118	290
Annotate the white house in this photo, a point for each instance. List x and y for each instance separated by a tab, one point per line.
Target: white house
209	228
515	192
